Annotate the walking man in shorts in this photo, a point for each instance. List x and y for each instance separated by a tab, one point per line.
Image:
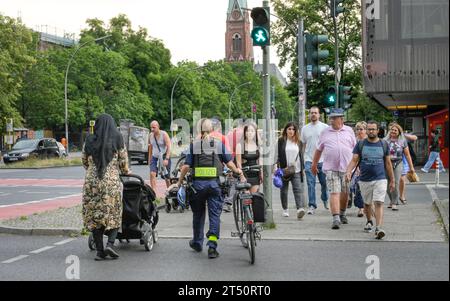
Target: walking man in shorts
336	143
372	156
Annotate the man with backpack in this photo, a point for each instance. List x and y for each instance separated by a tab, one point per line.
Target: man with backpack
372	157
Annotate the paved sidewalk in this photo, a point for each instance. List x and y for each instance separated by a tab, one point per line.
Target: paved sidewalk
416	221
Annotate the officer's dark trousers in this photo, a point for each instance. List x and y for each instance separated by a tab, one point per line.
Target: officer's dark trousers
208	192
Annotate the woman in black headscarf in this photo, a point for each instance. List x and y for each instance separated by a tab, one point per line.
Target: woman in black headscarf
104	158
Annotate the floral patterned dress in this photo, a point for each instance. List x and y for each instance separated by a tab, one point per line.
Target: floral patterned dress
102	198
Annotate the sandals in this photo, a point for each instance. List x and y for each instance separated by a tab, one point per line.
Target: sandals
403	201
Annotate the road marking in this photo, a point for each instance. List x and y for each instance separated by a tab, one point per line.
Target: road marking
64	241
40	201
15	259
432	192
42	249
37	192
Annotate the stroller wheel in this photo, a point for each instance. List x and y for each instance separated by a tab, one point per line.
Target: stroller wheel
168	207
155	236
91	242
148	241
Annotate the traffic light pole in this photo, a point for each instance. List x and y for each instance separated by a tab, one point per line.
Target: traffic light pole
301	76
267	171
337	71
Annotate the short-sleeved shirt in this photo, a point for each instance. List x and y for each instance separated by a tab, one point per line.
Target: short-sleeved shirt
220	150
309	136
372	160
396	148
337	148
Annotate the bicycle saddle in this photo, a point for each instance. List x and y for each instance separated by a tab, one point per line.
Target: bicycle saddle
241	186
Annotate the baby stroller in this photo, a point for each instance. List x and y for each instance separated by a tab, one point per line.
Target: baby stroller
140	214
176	198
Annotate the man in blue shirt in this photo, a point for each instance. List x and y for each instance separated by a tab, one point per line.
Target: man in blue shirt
206	158
372	157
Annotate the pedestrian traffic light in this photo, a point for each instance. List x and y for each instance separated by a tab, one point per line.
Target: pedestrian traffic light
330	98
314	55
261	26
345	95
336	7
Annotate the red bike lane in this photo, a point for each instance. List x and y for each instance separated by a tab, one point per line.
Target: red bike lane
19	208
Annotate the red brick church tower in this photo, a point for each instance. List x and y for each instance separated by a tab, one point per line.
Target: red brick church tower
238	44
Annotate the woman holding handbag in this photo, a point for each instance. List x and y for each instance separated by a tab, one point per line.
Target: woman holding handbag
398	146
290	160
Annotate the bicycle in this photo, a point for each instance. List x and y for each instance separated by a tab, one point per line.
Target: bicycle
243	216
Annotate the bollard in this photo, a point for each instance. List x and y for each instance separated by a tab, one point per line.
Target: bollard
436	178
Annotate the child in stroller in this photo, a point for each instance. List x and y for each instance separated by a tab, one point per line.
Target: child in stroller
176	197
140	214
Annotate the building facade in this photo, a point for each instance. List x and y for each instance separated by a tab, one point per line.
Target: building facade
238	43
405	53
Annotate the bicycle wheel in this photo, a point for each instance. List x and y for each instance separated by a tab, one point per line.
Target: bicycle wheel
251	242
239	220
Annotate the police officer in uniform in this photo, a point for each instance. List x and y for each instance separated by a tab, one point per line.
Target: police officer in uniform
206	158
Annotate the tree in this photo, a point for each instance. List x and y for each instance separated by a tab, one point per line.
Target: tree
15	59
317	20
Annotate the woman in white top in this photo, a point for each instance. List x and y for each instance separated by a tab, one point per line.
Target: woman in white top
289	154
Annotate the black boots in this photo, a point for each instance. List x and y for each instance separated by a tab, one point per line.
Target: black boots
108	251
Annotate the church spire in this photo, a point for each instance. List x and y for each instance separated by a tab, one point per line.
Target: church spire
236	4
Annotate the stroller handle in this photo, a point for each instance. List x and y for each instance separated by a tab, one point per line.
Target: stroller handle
132	176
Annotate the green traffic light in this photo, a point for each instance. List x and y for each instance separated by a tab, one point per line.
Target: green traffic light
331	99
260	36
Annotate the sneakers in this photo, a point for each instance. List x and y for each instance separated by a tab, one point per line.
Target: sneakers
212	253
227	208
394	208
111	252
424	170
335	225
195	246
344	219
325	205
311	210
300	213
379	233
285	213
100	256
369	226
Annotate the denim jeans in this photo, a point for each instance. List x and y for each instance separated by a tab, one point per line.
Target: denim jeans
207	192
432	159
311	181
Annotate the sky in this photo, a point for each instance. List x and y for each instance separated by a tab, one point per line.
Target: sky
178	23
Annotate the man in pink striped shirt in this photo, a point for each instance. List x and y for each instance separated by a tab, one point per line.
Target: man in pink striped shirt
336	144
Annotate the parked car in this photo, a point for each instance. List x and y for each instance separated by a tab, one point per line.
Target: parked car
62	150
38	148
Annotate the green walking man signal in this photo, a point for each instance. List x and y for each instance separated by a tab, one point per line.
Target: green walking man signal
261	26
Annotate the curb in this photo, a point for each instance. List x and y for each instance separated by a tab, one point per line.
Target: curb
443	214
40	231
19	168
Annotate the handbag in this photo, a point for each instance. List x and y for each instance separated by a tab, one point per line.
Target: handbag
412	177
288	172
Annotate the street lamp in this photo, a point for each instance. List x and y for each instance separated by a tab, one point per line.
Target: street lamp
65	84
173	89
231	97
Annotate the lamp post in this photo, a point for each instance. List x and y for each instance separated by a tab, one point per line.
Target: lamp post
231	97
65	85
173	89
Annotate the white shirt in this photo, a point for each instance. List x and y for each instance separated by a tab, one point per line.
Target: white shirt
310	136
292	153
